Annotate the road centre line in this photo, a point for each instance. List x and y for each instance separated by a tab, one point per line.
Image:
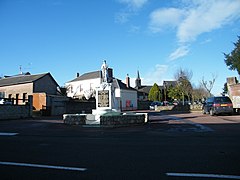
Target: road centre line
220	176
42	166
7	134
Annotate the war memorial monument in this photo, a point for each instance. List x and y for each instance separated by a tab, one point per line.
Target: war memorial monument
107	112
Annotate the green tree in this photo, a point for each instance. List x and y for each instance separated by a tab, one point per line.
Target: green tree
225	89
174	92
232	59
154	93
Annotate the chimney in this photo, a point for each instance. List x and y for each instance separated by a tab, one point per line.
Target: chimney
231	80
110	75
128	81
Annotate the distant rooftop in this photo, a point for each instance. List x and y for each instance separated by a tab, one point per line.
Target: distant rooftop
86	76
118	83
21	79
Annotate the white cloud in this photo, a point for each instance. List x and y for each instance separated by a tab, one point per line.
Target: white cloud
122	17
179	52
194	18
207	16
206	41
155	75
132	6
134	29
164	18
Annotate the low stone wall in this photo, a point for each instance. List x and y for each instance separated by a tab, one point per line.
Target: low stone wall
196	107
122	120
14	111
164	108
74	119
180	108
107	120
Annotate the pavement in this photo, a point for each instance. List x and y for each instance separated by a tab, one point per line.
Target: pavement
170	146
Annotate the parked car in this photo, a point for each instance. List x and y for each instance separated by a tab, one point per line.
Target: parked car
175	102
218	105
153	104
3	101
165	103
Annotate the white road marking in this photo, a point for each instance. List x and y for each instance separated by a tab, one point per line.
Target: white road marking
42	166
7	134
220	176
199	127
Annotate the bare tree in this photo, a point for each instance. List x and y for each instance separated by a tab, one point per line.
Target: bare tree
183	73
199	93
208	85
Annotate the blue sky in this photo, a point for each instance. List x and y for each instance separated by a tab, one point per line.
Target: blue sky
156	37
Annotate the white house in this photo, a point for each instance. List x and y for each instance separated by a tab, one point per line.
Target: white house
126	95
85	86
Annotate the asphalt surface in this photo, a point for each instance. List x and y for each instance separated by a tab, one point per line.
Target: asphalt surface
170	146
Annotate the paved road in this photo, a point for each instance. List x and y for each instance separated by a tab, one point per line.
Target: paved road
170	146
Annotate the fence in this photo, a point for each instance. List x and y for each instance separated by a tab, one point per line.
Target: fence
14	101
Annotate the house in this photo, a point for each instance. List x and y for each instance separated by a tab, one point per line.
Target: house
18	87
126	95
81	84
233	89
86	84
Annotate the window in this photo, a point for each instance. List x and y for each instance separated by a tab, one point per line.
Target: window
2	94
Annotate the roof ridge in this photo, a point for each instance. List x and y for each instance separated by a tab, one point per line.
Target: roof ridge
88	75
21	79
23	75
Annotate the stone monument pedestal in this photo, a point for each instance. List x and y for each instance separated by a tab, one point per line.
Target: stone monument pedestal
106	103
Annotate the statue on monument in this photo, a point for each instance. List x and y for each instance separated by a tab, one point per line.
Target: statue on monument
104	71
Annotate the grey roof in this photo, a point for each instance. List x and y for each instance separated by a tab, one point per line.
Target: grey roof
97	74
90	75
118	83
22	79
146	89
170	83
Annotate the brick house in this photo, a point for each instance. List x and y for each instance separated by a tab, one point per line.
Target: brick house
20	86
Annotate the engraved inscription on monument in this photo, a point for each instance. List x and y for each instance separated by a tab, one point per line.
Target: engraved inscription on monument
103	98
